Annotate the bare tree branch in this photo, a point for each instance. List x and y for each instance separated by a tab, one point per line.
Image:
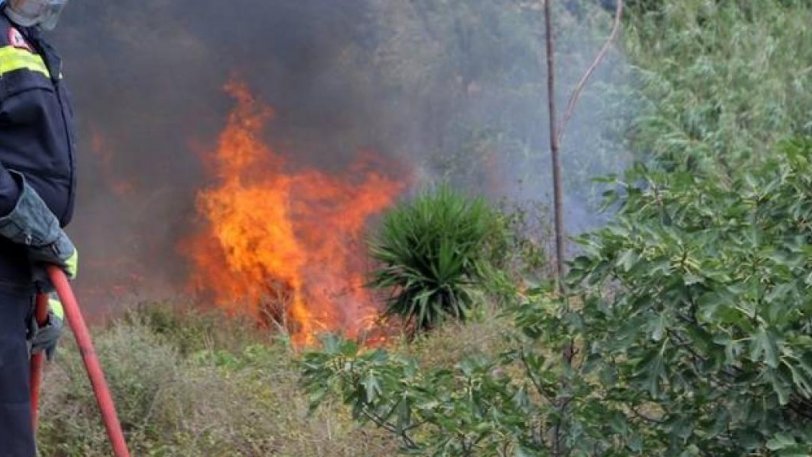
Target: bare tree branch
579	88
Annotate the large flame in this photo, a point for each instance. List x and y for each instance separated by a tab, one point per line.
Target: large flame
285	245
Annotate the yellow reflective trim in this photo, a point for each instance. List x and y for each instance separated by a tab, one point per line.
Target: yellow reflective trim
13	59
56	307
72	264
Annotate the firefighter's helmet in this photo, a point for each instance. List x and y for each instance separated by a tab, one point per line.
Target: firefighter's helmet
28	13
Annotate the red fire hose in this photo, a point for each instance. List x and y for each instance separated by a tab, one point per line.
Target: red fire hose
37	360
94	371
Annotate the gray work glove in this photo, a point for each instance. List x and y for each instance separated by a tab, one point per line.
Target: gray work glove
45	338
31	223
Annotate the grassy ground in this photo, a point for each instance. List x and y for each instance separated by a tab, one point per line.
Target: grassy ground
189	384
198	384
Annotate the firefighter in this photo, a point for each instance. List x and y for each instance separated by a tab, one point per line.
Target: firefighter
37	191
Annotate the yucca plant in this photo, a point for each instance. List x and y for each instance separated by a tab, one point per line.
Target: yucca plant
431	256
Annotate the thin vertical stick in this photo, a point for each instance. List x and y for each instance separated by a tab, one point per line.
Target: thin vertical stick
558	188
557	131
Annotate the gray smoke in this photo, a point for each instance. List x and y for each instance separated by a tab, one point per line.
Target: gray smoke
455	88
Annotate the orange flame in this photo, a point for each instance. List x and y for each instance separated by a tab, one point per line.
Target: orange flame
285	245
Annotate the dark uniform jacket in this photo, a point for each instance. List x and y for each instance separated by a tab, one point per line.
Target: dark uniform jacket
37	133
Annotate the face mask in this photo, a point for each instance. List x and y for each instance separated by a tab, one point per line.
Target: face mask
44	13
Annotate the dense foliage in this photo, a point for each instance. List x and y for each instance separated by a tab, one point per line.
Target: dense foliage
431	256
687	332
460	411
720	81
695	302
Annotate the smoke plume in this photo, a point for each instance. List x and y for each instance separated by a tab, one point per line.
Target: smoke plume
454	89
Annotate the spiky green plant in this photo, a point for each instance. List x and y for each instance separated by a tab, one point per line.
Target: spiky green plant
431	257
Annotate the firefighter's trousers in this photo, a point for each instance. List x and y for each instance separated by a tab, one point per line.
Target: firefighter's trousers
16	303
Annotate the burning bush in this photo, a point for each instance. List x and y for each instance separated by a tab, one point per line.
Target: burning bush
432	256
280	243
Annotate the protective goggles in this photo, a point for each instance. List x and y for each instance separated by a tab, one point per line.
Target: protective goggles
44	13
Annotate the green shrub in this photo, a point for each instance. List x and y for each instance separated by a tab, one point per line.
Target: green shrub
695	303
436	411
431	255
687	333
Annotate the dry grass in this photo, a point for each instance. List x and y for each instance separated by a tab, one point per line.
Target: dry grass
191	385
454	341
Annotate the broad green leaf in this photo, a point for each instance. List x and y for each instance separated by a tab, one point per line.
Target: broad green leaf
763	347
780	441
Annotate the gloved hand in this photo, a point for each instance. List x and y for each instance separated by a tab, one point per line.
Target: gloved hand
32	224
45	338
61	253
40	272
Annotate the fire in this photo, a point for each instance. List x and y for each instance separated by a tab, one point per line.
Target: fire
283	244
